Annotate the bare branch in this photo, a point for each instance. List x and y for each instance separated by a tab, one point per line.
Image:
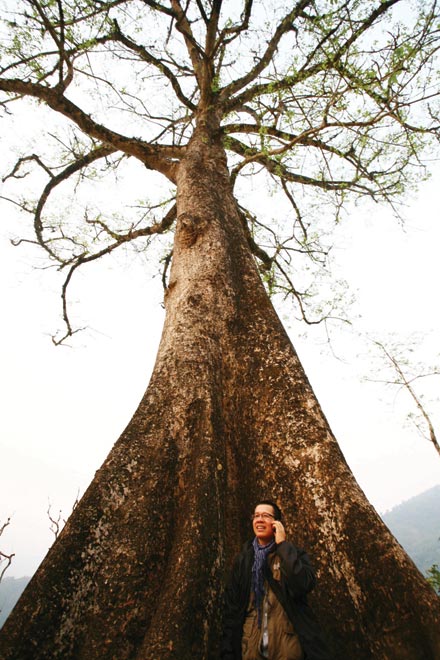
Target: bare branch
73	168
148	57
56	524
118	240
14	173
325	62
284	27
405	382
3	556
195	51
278	169
159	7
166	263
236	30
212	25
153	156
256	249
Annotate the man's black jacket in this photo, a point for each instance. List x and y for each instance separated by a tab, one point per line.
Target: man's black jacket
297	580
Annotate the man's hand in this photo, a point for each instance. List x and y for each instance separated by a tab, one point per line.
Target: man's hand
279	531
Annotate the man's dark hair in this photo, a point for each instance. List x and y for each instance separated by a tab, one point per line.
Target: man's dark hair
276	509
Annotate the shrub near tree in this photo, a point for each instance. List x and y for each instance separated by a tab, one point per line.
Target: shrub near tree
433	576
330	101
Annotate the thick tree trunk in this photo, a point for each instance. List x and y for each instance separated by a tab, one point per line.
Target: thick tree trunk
228	417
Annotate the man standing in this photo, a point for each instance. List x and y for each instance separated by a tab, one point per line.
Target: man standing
266	612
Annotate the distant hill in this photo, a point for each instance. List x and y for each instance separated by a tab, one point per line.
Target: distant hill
416	525
10	591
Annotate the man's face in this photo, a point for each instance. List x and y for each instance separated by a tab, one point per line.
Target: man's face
263	518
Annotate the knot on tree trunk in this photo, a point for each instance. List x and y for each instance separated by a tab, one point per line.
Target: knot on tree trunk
190	228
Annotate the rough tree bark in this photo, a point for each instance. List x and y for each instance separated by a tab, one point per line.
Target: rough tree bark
229	416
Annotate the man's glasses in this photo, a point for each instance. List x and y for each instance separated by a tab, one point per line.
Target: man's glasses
264	516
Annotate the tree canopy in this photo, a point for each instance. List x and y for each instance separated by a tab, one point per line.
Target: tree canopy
325	101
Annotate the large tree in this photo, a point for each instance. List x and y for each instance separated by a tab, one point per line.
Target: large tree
332	96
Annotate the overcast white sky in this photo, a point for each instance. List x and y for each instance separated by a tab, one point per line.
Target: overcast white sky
64	407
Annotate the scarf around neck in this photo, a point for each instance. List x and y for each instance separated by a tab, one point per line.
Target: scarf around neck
260	560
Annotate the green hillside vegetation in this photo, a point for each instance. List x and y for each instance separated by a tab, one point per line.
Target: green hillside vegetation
433	576
416	525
